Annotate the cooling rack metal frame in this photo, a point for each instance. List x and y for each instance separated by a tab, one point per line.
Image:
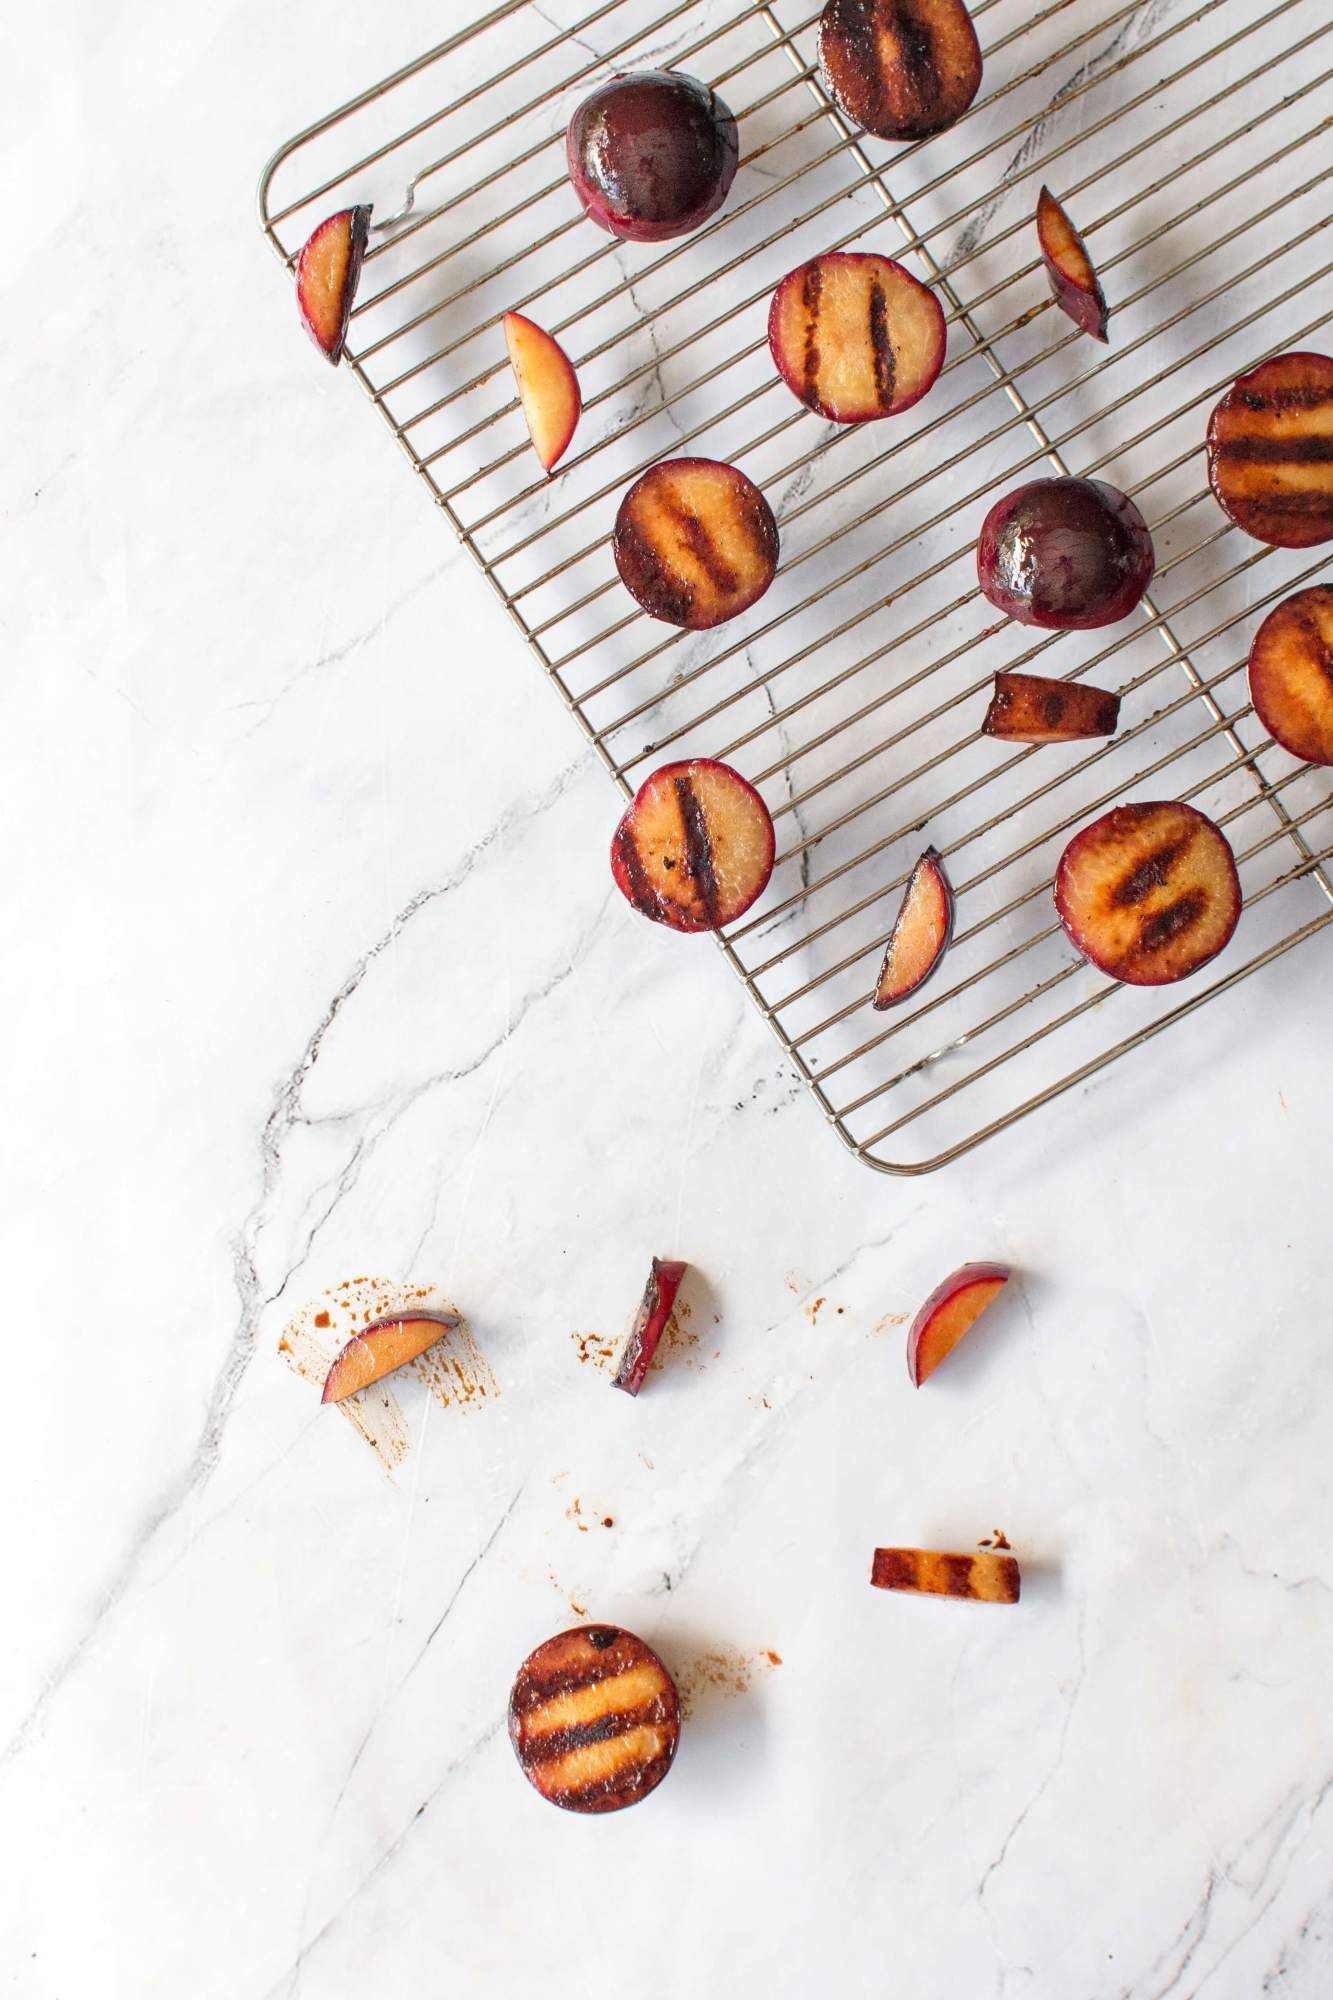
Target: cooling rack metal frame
854	691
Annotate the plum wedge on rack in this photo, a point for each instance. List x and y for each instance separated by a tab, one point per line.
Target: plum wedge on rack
1074	282
920	933
328	270
548	388
1030	708
855	336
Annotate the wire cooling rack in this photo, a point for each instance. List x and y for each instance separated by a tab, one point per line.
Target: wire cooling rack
1190	140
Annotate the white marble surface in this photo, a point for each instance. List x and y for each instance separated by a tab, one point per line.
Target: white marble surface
314	971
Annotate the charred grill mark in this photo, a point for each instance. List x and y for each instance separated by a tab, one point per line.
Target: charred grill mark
1248	448
1153	872
648	576
545	1749
698	847
1164	926
894	1569
812	286
693	532
1053	705
1295	396
642	893
881	347
916	59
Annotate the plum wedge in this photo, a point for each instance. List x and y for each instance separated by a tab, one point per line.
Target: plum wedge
952	1310
1074	281
1029	708
651	155
659	1296
594	1719
1066	554
377	1350
855	336
919	935
1149	893
695	542
901	69
694	847
1270	451
548	388
1291	674
986	1577
327	272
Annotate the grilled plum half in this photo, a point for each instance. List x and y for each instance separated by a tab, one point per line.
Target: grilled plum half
652	155
695	846
901	69
1270	451
1074	282
594	1719
1291	674
327	273
1029	708
856	336
1149	893
695	542
1066	554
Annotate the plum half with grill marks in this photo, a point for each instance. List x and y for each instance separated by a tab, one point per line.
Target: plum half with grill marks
1149	893
694	847
1291	674
695	542
900	69
1270	451
594	1719
855	336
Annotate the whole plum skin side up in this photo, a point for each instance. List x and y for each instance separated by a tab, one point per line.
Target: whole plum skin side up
652	155
1065	554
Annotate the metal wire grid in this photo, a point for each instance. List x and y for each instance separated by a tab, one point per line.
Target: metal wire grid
851	695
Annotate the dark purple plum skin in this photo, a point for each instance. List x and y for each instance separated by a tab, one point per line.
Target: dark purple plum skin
1065	554
651	155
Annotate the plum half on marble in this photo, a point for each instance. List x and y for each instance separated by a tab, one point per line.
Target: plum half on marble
1066	554
1074	282
594	1719
651	154
855	336
328	270
695	542
1149	893
900	69
1291	674
1270	451
694	847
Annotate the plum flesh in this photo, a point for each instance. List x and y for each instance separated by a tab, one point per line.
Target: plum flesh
651	155
1066	554
902	69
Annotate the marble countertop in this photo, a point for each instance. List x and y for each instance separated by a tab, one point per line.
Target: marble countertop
318	994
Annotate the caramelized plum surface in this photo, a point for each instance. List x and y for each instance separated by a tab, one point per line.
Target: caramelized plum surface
695	542
986	1578
856	336
901	69
1270	451
1291	674
695	846
594	1719
1029	708
651	155
1066	554
1074	282
1149	893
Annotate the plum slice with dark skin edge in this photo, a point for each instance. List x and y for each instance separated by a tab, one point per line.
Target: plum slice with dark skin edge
1074	282
920	933
695	542
651	155
900	69
1030	708
953	1309
594	1719
379	1349
694	847
1149	893
1067	554
1291	674
985	1577
655	1308
855	336
1270	451
328	270
548	388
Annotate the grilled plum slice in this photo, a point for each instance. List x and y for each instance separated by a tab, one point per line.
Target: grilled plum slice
327	272
594	1719
1291	674
856	336
919	935
952	1309
695	542
1066	554
377	1350
695	846
1029	708
1074	281
1149	893
986	1578
652	155
1270	451
901	69
547	386
659	1296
